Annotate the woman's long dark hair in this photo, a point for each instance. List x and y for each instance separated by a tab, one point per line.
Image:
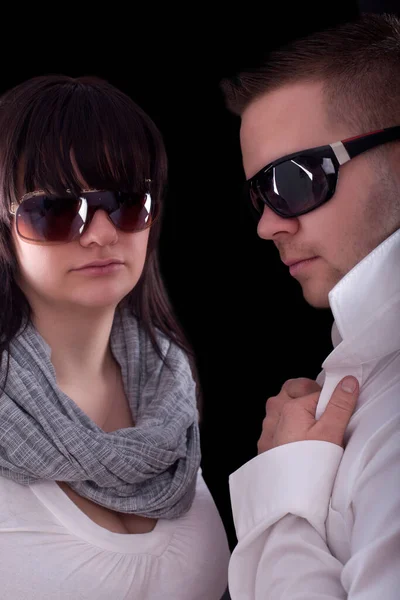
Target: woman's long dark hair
115	146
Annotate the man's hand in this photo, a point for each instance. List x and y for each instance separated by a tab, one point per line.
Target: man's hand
291	414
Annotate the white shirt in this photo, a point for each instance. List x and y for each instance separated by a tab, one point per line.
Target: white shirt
315	522
51	550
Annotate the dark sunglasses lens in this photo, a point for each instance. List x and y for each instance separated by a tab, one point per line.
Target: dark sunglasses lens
49	219
296	186
55	219
257	203
135	212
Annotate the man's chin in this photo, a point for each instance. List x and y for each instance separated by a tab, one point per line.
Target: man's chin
317	298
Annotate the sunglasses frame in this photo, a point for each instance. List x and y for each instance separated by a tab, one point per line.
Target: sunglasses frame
339	153
15	206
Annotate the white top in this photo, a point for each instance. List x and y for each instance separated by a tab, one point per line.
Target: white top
313	521
50	550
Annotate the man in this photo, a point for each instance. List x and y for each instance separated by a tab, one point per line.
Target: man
314	520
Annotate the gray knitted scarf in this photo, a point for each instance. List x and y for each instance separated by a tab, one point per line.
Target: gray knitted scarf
149	469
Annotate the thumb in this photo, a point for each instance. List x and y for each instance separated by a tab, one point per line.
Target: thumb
338	412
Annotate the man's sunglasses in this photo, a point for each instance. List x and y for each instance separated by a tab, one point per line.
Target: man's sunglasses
48	219
298	183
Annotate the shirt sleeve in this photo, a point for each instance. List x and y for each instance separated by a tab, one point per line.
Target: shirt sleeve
280	503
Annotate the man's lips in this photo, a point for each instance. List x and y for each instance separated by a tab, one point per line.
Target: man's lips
295	261
297	266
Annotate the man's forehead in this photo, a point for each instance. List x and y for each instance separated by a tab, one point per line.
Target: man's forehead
286	120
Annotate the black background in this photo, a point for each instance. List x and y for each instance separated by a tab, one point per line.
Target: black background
243	313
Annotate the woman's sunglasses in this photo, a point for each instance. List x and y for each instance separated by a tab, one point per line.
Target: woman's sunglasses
49	219
298	183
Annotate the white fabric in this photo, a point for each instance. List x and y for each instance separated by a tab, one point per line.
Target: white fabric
315	522
50	550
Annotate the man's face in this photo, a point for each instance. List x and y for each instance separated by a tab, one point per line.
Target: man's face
363	212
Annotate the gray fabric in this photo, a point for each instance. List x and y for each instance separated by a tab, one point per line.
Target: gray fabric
149	469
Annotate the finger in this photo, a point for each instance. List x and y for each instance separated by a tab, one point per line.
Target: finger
267	432
271	418
264	443
308	403
302	386
339	410
273	405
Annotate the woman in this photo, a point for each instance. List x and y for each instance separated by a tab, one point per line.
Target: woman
101	495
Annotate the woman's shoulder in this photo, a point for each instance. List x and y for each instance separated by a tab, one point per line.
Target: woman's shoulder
136	329
166	360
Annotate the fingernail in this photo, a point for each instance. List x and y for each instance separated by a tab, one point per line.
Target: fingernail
349	384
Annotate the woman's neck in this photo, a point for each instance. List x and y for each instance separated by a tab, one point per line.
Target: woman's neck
79	341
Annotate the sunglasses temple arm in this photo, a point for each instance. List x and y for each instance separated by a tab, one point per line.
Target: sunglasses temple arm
362	144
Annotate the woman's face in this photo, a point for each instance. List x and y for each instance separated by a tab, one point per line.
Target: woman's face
52	276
